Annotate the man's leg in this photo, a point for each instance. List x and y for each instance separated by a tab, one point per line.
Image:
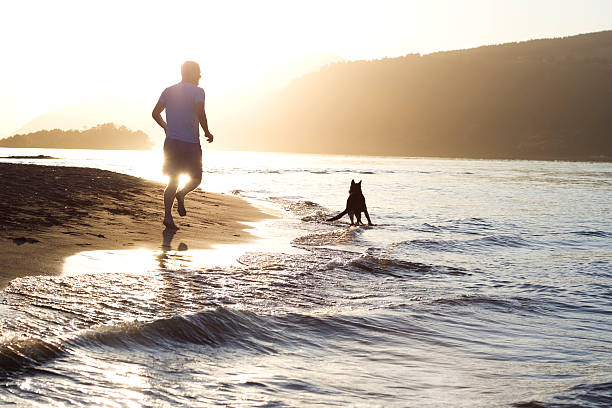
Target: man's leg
193	183
169	194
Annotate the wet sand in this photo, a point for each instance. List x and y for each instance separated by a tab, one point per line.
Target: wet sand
49	213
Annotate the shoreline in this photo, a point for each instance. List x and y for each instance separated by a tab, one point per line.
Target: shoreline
581	159
49	213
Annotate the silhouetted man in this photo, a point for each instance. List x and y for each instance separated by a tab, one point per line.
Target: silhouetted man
184	104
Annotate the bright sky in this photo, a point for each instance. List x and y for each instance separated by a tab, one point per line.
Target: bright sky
57	53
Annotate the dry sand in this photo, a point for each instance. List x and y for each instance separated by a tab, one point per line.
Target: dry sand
50	213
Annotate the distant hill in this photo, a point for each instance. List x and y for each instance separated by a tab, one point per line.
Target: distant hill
106	136
540	99
130	112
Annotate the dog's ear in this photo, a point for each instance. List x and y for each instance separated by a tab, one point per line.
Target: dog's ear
352	182
360	182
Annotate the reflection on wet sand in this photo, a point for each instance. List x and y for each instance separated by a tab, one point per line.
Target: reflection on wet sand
171	256
143	260
166	247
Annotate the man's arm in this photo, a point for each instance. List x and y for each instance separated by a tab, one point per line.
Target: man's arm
157	110
203	121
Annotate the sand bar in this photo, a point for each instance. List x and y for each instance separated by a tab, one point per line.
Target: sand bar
48	213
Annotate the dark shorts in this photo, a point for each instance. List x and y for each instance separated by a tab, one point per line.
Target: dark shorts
182	157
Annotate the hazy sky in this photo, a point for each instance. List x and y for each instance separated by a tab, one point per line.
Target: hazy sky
56	53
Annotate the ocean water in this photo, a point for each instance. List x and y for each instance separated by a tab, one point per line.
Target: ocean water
482	284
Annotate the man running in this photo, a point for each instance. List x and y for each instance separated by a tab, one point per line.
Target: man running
184	104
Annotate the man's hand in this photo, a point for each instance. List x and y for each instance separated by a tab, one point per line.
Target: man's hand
203	121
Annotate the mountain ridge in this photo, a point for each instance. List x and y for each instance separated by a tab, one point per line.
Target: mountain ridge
538	99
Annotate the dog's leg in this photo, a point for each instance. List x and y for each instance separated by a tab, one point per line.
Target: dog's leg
367	216
358	217
351	217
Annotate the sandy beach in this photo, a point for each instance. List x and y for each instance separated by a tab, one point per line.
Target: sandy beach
49	213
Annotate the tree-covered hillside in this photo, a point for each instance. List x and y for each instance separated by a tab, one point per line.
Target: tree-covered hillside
105	136
540	99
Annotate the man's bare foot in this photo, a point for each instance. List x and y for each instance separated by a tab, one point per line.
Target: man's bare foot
169	223
180	200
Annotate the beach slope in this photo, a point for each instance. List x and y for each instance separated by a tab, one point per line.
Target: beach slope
49	213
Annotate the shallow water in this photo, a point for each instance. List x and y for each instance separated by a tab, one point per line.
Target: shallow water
483	283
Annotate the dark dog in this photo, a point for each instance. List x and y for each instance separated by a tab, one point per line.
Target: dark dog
355	205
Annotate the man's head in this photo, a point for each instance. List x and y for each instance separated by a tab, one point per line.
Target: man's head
190	71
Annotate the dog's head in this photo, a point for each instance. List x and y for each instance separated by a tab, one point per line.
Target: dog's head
355	187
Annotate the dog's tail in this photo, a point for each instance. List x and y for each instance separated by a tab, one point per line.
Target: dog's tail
337	217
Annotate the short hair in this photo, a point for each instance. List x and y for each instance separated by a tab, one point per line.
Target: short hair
188	67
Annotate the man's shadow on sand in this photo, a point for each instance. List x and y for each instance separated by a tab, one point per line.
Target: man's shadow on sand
166	246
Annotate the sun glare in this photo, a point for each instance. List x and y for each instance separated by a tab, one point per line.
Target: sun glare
183	179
